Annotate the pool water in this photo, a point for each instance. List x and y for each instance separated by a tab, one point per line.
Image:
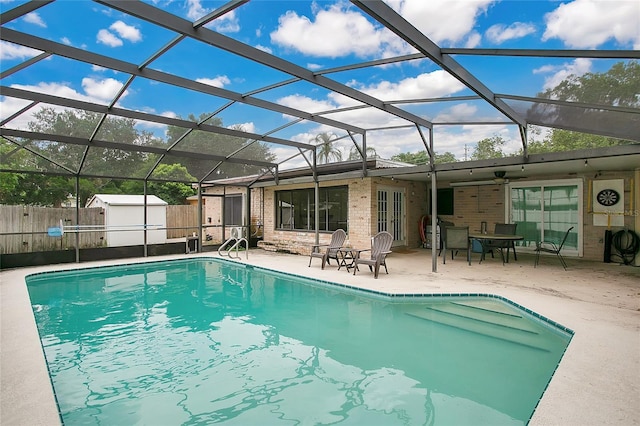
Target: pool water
202	341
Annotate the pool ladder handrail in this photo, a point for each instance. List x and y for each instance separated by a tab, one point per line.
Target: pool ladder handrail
221	249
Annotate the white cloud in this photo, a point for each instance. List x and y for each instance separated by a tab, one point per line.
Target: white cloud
428	85
473	40
335	32
248	127
578	67
127	32
305	103
443	20
219	81
264	48
103	90
108	38
227	23
500	33
34	18
586	24
123	30
97	91
13	51
66	41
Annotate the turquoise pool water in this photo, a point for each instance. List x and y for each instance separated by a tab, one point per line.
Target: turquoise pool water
202	341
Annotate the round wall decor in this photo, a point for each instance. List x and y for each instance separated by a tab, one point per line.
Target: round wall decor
608	197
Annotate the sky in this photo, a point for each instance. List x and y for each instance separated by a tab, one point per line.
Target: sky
321	35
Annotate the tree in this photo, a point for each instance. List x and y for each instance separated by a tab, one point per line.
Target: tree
327	151
617	87
488	148
354	154
173	191
444	158
421	157
220	144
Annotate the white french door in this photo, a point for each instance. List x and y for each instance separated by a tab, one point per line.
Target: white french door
391	213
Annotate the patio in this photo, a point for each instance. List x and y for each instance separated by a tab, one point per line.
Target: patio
597	382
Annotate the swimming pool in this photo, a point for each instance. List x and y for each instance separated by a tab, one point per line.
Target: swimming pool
201	341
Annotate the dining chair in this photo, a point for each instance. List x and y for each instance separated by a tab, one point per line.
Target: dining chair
504	229
456	238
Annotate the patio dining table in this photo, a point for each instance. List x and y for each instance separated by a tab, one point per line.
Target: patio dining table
485	238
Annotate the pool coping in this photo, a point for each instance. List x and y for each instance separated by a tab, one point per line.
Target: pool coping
27	397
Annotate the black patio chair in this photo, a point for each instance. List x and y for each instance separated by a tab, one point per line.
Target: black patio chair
504	229
553	248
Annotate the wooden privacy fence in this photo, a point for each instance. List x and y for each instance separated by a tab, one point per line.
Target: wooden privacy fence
181	221
23	229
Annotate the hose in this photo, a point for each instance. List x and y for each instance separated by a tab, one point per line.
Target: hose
627	244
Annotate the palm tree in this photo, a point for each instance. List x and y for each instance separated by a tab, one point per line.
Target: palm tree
327	151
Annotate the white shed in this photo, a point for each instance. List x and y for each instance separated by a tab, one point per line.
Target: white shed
124	218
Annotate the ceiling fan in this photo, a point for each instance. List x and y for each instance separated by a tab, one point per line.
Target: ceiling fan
500	177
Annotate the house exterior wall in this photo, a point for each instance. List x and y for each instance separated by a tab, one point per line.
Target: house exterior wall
474	204
212	212
362	216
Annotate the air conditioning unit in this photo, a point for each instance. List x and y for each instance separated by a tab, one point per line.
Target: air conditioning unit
237	232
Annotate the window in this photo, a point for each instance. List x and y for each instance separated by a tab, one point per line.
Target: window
445	201
296	209
233	210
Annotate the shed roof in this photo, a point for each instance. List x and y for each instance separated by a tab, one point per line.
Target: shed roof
127	200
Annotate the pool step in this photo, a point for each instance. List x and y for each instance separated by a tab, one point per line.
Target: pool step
485	319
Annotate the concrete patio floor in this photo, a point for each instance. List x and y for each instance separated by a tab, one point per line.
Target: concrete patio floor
596	383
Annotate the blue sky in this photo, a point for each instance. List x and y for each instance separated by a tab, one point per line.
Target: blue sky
320	35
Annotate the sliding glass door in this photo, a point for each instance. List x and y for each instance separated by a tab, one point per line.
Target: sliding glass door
544	211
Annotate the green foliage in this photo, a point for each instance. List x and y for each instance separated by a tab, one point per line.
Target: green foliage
421	157
619	86
218	144
489	148
34	189
171	179
354	154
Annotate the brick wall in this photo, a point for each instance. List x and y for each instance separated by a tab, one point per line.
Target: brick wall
362	214
472	205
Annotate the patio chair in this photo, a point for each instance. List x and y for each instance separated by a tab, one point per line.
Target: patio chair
443	233
553	248
456	238
328	251
506	229
380	248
